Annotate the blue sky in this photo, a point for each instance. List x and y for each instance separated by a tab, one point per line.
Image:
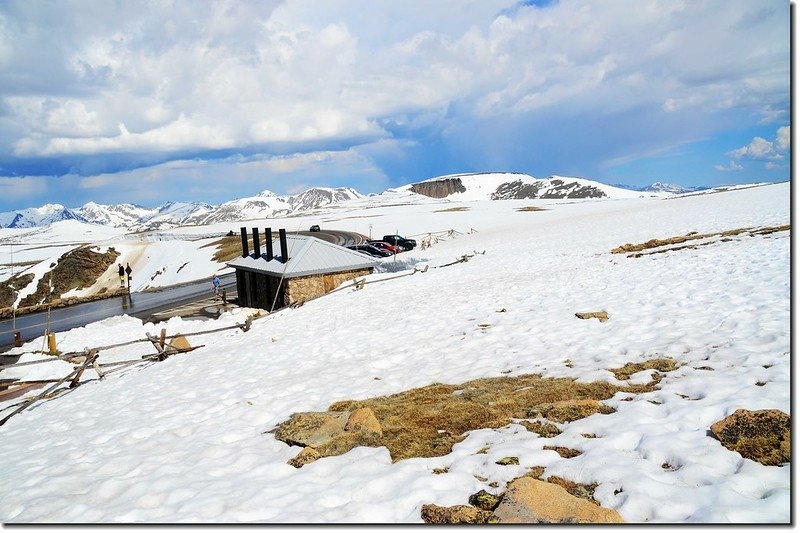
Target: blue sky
143	102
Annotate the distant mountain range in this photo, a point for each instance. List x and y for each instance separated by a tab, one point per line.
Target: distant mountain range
476	186
516	186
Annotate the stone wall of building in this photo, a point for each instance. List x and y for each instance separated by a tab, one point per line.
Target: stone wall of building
310	287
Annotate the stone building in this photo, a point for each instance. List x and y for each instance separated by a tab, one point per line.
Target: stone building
303	268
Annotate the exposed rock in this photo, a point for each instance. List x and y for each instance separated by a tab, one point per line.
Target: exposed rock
505	461
346	441
579	490
544	429
572	190
312	429
485	500
529	500
306	455
76	269
567	453
763	436
363	419
515	190
439	188
457	514
602	316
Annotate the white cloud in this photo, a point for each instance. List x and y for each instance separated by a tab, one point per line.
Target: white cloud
769	165
784	137
733	166
243	73
760	148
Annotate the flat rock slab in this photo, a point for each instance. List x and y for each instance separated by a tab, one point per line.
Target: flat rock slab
312	429
602	316
531	501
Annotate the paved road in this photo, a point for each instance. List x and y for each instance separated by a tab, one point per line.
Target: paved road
139	304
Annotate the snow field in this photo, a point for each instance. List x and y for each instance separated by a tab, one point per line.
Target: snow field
183	440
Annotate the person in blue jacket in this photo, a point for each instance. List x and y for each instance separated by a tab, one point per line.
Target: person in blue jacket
215	285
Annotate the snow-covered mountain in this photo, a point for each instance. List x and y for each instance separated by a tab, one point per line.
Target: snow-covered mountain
474	186
38	216
662	187
320	197
174	214
117	215
516	186
264	205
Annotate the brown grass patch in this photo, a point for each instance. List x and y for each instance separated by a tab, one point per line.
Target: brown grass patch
452	210
566	453
662	364
530	208
692	236
579	490
428	421
228	248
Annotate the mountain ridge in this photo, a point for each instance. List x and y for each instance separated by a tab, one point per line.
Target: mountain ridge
266	204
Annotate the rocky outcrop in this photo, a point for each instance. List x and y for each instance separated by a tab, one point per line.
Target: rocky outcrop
602	316
312	429
439	188
529	500
572	190
516	190
457	514
485	501
329	433
763	436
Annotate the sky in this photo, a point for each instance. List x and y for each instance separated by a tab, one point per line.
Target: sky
146	102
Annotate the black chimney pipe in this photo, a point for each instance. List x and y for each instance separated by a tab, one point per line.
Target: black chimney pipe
268	243
284	247
256	243
245	248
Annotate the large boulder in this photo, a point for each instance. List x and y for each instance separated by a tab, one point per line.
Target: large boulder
529	501
763	436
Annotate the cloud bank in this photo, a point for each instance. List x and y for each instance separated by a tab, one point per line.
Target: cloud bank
414	88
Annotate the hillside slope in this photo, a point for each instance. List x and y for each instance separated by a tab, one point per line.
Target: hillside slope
197	442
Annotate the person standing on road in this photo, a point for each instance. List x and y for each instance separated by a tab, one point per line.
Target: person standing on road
121	271
215	286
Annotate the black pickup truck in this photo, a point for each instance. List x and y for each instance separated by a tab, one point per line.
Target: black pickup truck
397	240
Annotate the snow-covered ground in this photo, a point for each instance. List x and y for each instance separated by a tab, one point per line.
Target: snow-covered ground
183	440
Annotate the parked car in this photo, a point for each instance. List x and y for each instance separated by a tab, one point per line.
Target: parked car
386	246
315	227
368	249
399	240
